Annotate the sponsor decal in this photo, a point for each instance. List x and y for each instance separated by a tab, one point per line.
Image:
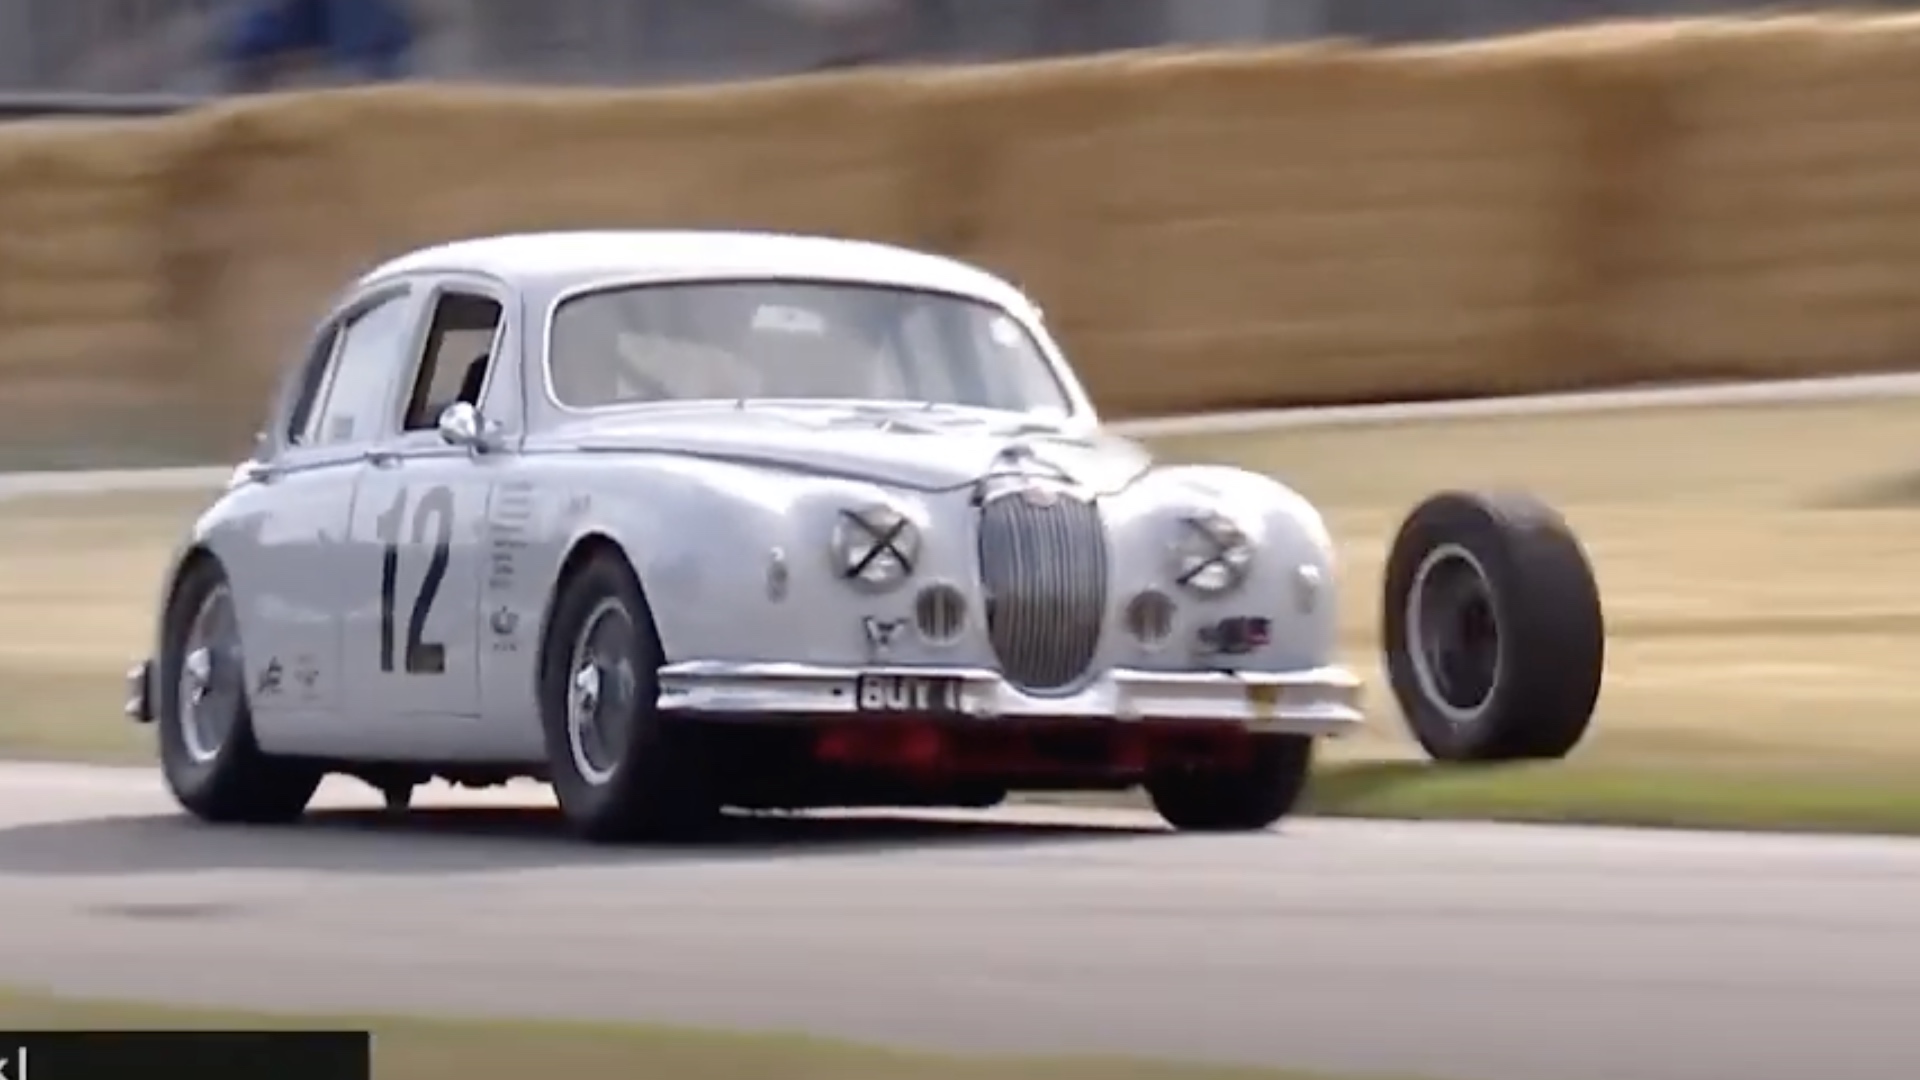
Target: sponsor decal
1237	635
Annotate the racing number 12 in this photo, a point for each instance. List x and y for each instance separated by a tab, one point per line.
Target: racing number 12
434	511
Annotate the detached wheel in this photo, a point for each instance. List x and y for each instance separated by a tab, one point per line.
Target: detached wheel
1494	637
208	754
1238	800
621	771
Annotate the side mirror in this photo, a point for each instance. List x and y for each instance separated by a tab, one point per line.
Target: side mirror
462	425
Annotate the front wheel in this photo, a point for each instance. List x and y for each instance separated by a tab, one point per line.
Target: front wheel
208	754
620	770
1244	799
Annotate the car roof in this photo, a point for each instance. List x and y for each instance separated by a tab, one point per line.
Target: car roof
565	258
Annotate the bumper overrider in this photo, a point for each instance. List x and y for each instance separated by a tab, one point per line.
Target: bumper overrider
139	704
1317	701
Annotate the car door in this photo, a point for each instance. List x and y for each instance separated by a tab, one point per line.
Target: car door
297	496
416	544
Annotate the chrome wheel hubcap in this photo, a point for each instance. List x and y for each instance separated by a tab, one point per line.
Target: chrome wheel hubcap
211	692
601	692
1453	634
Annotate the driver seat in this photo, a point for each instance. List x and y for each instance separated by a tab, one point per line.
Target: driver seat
473	382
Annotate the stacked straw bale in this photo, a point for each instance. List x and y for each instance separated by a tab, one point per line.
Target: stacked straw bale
1330	223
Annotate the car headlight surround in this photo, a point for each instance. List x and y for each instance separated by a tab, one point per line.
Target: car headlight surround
875	547
1212	553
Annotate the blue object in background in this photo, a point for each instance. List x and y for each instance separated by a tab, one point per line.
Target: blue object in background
369	37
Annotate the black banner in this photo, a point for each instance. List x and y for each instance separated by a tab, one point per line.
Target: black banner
16	105
202	1055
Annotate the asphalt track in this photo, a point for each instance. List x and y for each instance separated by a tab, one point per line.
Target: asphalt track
1478	952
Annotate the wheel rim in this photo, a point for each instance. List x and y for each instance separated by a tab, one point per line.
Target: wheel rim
602	688
1453	633
211	691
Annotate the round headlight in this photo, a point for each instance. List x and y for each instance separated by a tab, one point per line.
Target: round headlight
875	547
1211	553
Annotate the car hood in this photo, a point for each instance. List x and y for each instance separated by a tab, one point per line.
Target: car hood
907	448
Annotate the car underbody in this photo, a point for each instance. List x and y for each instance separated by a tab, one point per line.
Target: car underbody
786	765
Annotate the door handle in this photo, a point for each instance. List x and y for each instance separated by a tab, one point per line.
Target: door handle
383	459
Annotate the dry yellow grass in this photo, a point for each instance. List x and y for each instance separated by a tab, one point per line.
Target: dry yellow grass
78	580
1760	567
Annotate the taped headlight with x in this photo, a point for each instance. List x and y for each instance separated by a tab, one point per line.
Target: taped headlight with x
876	547
1211	555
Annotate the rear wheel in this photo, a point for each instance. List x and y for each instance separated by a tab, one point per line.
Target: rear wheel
208	754
620	770
1243	799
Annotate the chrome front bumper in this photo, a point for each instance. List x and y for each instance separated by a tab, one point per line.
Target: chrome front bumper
1319	701
139	704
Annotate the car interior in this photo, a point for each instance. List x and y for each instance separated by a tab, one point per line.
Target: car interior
463	326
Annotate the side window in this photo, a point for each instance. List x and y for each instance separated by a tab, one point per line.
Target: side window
367	352
457	357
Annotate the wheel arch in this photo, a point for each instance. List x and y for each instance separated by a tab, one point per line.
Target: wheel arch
585	548
189	559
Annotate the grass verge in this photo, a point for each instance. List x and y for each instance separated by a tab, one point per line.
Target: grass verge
420	1049
1619	794
1598	793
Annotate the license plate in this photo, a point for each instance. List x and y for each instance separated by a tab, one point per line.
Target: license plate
912	695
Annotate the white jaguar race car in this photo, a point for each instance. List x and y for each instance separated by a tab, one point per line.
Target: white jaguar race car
677	522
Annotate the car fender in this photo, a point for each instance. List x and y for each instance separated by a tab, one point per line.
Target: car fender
1291	582
735	559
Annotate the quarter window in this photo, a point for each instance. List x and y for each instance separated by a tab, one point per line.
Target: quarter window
359	389
313	383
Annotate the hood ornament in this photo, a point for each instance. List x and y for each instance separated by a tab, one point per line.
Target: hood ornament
1026	461
1018	469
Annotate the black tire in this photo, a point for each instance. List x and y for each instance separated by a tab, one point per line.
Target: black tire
240	784
985	798
1510	608
1242	800
656	785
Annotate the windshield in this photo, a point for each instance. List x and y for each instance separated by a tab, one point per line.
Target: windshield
687	341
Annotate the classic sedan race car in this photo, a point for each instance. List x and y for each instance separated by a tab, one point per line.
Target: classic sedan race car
680	522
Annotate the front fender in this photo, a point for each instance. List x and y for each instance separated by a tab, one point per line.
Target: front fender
1291	583
221	532
735	559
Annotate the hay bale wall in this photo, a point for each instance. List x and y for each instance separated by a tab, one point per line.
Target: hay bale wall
1303	225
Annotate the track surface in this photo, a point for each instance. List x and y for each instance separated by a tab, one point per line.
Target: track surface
1478	952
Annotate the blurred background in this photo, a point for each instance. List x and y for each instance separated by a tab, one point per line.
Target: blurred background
52	49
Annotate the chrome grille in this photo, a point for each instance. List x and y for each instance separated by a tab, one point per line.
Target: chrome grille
1043	564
